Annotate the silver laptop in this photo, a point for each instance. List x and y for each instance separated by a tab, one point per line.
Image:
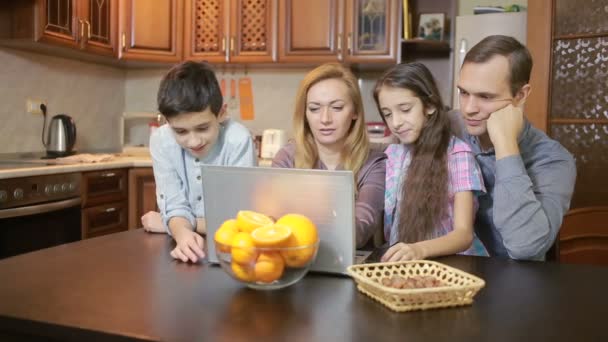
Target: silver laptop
326	197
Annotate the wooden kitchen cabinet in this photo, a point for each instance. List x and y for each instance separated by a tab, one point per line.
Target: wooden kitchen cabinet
151	30
88	25
142	194
104	202
350	31
372	31
235	31
311	31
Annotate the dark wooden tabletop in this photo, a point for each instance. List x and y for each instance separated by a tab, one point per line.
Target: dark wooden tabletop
125	286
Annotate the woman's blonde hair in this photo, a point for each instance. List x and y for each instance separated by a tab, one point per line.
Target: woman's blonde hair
356	146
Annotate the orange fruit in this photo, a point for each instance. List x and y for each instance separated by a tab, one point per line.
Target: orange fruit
248	220
303	234
243	248
225	234
269	267
243	272
272	235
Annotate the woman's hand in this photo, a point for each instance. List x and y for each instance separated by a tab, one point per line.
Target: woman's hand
189	245
153	222
402	252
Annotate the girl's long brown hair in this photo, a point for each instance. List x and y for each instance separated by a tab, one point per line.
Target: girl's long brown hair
356	146
424	194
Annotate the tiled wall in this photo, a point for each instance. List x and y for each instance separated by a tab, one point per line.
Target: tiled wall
97	95
94	95
274	94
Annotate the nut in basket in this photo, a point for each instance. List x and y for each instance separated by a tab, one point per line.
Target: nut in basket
416	285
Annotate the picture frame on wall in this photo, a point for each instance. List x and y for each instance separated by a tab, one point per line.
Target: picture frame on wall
431	26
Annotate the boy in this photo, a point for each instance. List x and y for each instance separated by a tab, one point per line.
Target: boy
198	131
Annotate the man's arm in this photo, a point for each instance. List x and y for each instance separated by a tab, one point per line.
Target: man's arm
529	205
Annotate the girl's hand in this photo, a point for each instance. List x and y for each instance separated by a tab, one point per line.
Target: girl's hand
402	252
153	222
189	246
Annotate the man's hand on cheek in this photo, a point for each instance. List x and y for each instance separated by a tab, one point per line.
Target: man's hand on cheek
504	127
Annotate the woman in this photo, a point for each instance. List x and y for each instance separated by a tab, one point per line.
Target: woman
330	134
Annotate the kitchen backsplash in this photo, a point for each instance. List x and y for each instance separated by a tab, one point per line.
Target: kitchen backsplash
274	93
97	95
94	95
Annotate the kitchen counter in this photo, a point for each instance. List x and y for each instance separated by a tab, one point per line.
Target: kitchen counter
38	169
117	163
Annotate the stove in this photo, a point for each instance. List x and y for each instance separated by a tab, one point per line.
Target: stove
26	160
37	211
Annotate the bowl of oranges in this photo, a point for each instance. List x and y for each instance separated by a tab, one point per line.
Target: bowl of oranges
264	254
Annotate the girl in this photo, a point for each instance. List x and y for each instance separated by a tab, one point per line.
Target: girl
330	134
431	177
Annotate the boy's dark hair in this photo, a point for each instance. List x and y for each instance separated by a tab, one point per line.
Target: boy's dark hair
520	60
189	87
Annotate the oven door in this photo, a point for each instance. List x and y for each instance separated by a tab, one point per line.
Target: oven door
35	227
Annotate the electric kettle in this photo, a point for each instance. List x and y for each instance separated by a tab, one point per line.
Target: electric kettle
61	136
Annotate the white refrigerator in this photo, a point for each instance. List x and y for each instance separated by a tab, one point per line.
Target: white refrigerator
471	29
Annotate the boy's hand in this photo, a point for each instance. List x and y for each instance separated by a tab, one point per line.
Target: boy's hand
402	252
189	246
153	222
504	127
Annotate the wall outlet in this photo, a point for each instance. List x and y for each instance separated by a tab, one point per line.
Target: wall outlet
33	106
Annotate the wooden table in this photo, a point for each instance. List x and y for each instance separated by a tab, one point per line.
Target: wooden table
125	286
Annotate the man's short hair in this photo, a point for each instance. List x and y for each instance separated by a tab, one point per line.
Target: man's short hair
520	60
189	87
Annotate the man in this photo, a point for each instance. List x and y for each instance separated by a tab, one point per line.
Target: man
529	177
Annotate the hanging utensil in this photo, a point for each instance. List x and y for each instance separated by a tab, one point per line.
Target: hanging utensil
246	98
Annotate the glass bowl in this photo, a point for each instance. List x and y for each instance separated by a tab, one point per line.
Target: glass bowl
266	268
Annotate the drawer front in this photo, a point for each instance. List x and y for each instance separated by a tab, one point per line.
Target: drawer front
101	187
104	219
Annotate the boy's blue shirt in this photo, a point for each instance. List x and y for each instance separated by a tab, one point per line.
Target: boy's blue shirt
179	190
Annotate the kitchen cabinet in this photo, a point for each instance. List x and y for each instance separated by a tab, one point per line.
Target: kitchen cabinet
236	31
372	31
88	25
351	31
142	194
104	202
311	31
151	30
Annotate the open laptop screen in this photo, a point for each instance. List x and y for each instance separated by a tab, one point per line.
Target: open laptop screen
326	197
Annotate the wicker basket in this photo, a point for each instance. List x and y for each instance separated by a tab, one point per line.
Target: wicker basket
460	287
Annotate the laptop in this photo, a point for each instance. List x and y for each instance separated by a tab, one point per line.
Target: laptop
326	197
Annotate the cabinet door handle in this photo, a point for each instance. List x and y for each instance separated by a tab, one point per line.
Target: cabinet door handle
226	48
109	210
224	44
340	43
81	34
108	174
88	29
348	42
124	42
232	45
